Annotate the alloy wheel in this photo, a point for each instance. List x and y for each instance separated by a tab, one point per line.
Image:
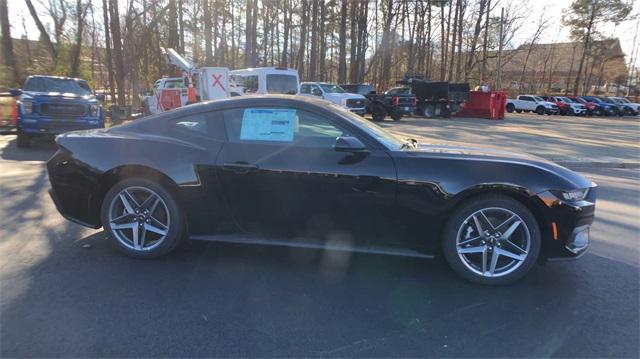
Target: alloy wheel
139	218
493	242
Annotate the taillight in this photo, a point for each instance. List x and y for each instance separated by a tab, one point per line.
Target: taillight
395	100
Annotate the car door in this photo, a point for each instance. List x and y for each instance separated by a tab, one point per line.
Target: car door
280	172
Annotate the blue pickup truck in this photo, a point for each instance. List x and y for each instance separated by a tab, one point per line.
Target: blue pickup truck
51	105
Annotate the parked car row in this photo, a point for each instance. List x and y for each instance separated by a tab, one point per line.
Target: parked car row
573	105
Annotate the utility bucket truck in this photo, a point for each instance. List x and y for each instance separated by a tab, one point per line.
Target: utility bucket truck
196	84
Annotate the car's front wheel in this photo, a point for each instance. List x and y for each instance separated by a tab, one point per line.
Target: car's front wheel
23	139
142	218
492	240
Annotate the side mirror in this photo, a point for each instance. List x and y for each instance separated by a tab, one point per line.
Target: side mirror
316	92
100	97
349	144
15	92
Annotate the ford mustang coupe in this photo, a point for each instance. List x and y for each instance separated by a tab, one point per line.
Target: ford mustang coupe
301	172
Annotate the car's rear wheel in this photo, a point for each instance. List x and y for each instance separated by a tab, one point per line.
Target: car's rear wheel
492	240
142	218
510	107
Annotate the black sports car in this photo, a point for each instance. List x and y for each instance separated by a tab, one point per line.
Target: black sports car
301	172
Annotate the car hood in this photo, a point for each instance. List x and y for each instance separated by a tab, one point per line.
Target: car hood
56	95
340	96
485	153
547	103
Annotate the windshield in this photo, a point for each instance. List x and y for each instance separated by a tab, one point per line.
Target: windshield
538	98
389	140
623	100
50	84
607	100
332	88
282	84
592	99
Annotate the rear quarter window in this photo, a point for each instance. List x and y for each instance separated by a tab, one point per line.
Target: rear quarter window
209	125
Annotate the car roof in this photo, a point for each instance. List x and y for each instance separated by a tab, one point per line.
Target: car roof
56	77
239	101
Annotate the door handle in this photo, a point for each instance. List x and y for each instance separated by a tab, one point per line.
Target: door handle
240	167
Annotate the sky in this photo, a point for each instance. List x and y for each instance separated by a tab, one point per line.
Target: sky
550	8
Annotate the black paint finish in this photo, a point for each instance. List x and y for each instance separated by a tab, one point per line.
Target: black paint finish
376	197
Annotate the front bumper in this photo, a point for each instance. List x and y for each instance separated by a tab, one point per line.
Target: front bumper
357	111
43	125
569	226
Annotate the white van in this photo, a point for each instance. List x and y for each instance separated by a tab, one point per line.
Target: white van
264	80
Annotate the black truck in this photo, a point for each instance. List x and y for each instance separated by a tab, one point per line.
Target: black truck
436	98
396	102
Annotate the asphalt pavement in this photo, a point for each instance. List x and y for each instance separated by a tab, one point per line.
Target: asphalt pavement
65	291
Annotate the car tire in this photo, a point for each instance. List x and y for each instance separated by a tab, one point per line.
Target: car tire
597	112
525	111
470	252
23	140
429	111
378	113
511	108
159	226
396	116
540	110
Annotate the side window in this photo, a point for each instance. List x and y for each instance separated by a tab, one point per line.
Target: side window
250	84
207	125
526	98
280	125
315	90
305	89
194	124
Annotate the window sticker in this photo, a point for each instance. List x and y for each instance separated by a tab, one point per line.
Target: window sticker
262	124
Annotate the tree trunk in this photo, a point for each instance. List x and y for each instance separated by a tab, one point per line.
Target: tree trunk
44	36
248	38
455	39
284	62
485	44
443	44
474	41
313	55
342	54
8	57
117	51
180	27
77	48
585	48
107	41
353	43
303	37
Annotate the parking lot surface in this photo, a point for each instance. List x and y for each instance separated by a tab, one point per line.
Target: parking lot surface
65	291
564	139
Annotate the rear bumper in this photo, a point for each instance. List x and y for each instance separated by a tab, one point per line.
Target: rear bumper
404	110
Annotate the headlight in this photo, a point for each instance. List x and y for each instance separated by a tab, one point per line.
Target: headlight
93	110
572	195
27	106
